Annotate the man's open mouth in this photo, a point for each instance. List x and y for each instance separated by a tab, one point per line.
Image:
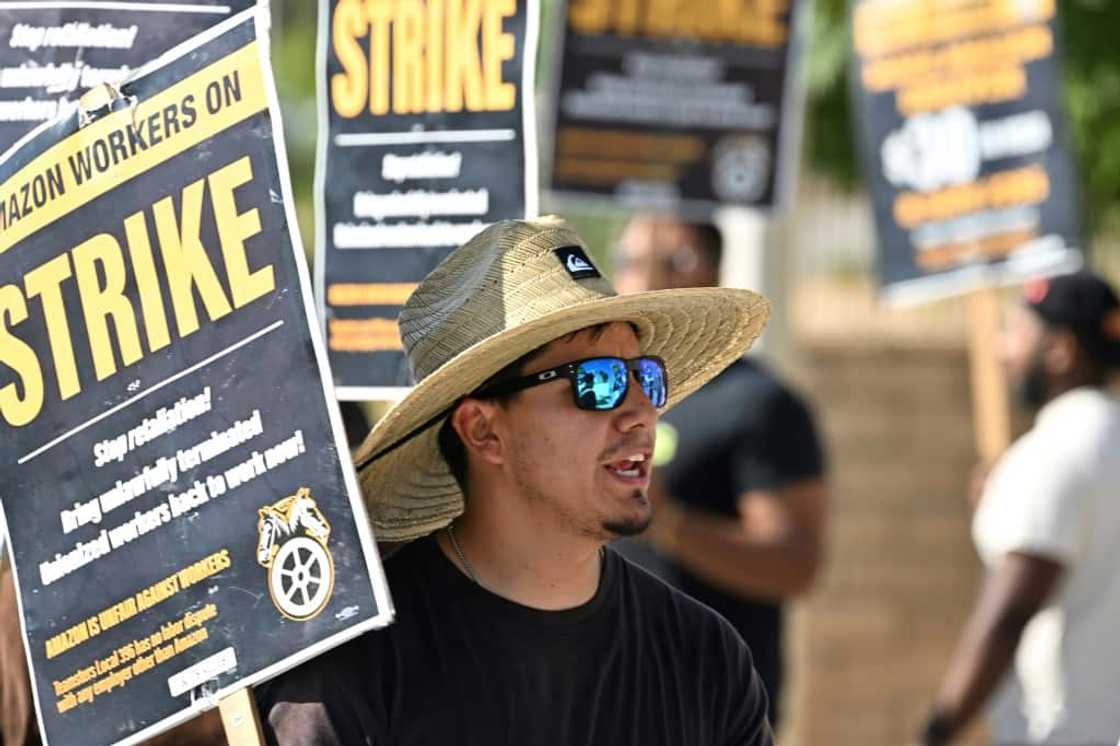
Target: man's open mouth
635	466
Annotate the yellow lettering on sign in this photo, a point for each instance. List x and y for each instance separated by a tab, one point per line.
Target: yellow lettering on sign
348	89
434	49
102	275
100	303
422	56
116	289
380	18
408	57
500	95
589	16
45	283
759	22
186	261
151	297
18	409
95	159
233	229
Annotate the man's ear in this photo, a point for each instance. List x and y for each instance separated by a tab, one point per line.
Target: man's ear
1061	352
475	422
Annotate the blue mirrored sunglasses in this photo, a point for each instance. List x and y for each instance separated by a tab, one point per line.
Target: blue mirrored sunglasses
599	384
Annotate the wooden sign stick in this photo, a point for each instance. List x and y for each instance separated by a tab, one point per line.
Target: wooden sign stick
240	720
990	403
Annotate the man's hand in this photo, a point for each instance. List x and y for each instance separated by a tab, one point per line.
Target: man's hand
936	731
1014	591
771	550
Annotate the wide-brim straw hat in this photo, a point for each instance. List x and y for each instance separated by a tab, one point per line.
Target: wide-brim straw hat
511	289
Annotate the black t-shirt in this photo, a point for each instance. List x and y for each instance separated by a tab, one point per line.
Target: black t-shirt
638	664
743	431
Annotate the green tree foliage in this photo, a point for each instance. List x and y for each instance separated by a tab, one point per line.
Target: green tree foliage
1092	68
1088	31
294	67
829	131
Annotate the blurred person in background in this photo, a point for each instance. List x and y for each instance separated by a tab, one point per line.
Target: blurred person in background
1047	528
739	478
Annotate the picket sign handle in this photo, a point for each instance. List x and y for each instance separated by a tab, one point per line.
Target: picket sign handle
240	720
990	402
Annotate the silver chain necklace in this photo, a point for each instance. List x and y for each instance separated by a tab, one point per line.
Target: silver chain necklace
450	530
462	557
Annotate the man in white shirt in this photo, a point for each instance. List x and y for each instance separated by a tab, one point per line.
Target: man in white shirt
1048	529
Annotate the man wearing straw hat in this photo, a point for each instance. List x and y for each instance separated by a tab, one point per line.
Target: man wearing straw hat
522	451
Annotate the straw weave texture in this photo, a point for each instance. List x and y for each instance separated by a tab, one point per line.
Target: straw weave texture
500	296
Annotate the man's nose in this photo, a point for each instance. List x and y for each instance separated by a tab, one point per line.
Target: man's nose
636	410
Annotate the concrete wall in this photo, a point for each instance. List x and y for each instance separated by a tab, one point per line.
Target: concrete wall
870	643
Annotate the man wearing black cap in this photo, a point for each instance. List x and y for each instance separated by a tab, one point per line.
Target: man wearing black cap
1047	528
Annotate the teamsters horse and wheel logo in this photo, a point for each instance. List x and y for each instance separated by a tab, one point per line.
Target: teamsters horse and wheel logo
292	546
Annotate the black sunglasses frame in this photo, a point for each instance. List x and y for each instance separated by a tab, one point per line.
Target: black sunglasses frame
568	371
504	388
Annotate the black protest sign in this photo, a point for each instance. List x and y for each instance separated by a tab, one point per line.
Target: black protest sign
173	471
426	135
52	51
964	144
673	106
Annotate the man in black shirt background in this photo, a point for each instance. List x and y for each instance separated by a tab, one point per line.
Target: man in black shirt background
739	477
522	451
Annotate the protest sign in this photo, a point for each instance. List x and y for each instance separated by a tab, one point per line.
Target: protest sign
426	135
670	106
52	51
965	144
181	515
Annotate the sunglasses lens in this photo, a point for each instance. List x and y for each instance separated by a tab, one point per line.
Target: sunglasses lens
601	383
651	374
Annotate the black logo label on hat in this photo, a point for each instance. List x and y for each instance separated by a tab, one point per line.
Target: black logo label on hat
577	263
